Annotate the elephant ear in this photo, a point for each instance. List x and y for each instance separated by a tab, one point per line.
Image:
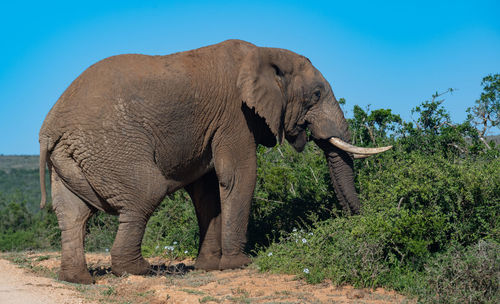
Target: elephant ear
262	84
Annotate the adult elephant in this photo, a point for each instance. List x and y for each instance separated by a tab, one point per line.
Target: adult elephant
134	128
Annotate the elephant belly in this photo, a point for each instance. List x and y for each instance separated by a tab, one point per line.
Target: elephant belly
181	171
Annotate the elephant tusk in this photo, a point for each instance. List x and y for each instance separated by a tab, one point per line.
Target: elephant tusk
358	156
358	152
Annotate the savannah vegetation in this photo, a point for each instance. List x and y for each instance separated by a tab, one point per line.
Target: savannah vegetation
429	225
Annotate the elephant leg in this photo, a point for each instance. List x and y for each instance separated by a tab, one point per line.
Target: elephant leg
126	256
205	195
236	172
72	215
148	190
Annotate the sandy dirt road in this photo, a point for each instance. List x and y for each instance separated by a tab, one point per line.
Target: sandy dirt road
19	286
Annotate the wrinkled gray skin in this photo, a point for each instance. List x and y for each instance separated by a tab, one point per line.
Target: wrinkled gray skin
134	128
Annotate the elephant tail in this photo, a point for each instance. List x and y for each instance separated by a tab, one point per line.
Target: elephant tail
44	148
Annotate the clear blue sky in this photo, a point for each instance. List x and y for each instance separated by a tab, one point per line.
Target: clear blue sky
390	55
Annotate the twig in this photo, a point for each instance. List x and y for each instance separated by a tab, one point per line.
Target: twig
280	152
314	175
268	200
485	143
400	201
457	147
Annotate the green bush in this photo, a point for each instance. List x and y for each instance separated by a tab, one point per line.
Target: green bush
292	188
101	231
18	240
464	275
173	228
431	200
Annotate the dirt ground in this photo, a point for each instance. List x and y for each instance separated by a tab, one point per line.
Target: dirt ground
30	277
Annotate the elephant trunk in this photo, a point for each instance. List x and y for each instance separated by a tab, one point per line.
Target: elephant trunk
341	164
330	131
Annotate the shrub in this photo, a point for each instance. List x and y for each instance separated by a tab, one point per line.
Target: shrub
101	231
464	275
173	228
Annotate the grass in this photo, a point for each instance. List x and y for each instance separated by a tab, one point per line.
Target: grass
206	299
193	291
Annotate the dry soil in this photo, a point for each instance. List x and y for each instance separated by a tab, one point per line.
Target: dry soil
30	277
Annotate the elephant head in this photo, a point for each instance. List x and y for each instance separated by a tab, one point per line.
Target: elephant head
292	96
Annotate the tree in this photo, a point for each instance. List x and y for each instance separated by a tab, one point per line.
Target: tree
372	126
485	114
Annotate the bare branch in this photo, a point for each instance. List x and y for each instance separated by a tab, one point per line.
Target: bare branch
268	200
485	142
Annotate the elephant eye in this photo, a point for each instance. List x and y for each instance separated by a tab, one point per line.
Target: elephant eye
317	95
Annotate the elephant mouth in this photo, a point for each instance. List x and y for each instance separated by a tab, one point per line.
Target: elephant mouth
357	152
298	141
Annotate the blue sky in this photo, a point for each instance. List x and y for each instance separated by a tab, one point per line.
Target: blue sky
392	54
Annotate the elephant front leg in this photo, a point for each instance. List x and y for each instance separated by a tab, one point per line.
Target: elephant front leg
205	195
237	177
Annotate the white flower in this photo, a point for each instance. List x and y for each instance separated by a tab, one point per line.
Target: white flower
171	248
107	249
306	270
175	242
185	252
270	254
294	230
310	233
304	241
157	246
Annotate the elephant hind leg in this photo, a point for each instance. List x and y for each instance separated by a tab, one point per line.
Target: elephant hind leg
205	195
72	215
126	256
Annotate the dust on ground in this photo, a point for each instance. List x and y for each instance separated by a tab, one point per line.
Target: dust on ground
175	282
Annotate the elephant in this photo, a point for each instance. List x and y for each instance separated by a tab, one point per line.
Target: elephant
134	128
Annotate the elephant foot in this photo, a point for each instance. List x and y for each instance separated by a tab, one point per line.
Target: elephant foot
207	263
234	261
137	267
79	276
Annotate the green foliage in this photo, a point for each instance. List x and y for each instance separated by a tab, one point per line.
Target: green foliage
369	127
485	114
101	231
429	207
291	188
464	275
172	230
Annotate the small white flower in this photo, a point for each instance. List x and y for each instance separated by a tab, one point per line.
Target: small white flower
185	252
175	242
166	247
294	230
306	270
171	248
304	241
310	233
157	246
107	249
270	254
